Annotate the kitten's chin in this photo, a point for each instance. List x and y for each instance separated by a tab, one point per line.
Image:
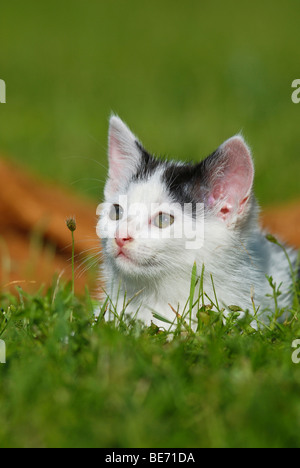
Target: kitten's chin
129	266
123	258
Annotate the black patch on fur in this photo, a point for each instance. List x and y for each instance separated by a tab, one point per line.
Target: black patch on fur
179	180
189	183
186	183
148	164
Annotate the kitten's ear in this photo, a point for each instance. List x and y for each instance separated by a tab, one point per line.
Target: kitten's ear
124	155
230	173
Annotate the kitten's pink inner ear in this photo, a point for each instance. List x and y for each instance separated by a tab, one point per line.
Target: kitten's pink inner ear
116	159
123	154
115	162
231	187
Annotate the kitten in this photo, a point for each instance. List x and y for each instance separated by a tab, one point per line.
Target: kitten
160	217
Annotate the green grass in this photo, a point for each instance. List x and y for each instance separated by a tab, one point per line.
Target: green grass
81	383
185	76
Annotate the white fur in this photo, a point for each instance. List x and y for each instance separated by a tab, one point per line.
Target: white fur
158	274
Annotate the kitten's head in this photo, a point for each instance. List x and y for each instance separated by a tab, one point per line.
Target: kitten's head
158	215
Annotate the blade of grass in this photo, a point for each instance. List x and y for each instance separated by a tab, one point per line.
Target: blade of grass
192	292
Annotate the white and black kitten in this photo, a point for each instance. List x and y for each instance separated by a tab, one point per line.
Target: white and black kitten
148	201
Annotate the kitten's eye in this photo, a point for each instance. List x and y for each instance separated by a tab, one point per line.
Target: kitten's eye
163	220
116	212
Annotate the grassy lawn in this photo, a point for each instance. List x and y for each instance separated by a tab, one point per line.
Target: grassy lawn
185	77
79	383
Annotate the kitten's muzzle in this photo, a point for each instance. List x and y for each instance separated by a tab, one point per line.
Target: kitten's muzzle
121	241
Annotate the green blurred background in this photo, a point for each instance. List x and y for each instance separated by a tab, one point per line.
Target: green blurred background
184	75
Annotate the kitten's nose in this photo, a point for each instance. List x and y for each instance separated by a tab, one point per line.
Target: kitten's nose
121	241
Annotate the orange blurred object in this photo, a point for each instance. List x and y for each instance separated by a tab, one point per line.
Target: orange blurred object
35	242
284	221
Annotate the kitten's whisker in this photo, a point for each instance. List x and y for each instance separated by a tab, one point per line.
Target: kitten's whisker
88	259
87	267
86	251
87	159
68	246
100	145
87	179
